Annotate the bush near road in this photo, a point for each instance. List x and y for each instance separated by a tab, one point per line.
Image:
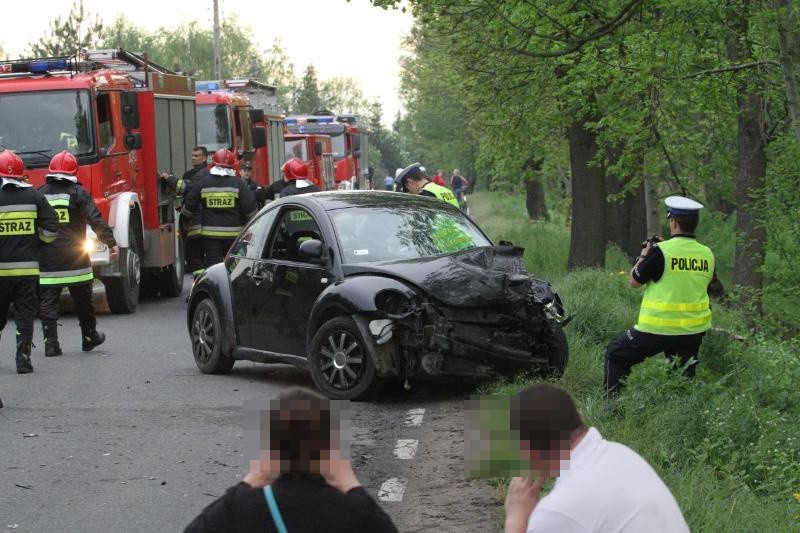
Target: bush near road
726	443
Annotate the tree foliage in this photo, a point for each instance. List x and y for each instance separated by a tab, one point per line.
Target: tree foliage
67	36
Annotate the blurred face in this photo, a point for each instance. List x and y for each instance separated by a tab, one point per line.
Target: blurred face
198	158
246	173
414	186
546	463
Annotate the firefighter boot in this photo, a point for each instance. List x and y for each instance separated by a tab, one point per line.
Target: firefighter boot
91	339
51	346
24	365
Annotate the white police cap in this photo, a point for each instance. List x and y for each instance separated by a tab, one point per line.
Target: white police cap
680	205
397	173
406	172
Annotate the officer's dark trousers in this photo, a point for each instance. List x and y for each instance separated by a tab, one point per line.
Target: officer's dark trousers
194	254
81	295
635	346
22	293
215	250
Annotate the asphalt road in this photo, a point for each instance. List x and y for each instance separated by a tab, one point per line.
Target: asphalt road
132	437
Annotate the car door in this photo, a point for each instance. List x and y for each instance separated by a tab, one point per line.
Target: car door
245	253
287	285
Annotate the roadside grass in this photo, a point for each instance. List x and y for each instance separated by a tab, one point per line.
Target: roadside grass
727	443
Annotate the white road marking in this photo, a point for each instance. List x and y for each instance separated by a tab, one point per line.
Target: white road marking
392	490
406	448
414	417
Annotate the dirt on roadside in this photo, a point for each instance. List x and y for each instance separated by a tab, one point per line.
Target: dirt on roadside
439	497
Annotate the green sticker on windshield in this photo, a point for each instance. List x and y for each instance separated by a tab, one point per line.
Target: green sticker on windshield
448	237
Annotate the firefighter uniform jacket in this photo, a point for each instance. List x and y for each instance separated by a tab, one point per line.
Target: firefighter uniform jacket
25	219
224	203
66	262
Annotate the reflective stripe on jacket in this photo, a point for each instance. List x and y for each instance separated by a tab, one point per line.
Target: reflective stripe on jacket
26	221
678	304
442	193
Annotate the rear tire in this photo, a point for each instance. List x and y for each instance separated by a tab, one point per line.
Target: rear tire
207	337
122	293
341	365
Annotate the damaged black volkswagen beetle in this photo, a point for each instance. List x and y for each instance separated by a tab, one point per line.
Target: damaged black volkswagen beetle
364	286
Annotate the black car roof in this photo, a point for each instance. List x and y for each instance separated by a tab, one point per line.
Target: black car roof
331	200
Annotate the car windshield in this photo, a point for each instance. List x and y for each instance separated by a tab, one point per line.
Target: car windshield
370	234
213	127
38	125
296	148
337	145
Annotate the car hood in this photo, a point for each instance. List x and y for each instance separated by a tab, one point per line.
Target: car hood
485	276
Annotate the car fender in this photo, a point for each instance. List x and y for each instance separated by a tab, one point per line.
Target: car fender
351	296
119	216
214	284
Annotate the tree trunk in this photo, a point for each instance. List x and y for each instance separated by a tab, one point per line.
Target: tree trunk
534	200
789	46
625	217
587	246
751	168
651	207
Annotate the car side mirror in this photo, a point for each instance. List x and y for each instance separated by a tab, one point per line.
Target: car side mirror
506	243
133	141
318	148
357	154
259	137
356	143
311	249
130	110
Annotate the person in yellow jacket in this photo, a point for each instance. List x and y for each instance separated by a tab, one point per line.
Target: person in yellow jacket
675	312
414	180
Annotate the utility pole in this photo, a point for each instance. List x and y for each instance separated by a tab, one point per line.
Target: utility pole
217	59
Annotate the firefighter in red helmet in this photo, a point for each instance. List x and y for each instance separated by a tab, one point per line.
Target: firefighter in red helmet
66	263
224	204
27	221
295	172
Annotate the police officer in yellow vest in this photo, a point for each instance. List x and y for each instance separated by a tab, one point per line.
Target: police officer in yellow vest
414	180
675	311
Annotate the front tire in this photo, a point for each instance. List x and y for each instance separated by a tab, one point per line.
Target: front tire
122	293
559	354
207	337
341	365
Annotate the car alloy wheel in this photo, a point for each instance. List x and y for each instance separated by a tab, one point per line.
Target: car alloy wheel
207	339
342	361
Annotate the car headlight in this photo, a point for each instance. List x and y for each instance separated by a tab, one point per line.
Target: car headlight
393	303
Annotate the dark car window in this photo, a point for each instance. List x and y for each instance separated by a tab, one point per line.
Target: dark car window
369	234
251	242
295	226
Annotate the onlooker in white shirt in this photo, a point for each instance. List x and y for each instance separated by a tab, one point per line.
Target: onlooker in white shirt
601	486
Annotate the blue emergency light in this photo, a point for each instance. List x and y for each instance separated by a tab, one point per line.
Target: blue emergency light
290	121
44	65
207	86
324	120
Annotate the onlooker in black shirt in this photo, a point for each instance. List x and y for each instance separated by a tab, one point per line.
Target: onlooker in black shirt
315	491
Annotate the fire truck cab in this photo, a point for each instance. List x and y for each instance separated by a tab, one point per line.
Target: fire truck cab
315	150
124	119
243	116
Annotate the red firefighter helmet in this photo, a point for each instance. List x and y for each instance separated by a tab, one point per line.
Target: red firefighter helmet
223	158
11	165
295	169
64	163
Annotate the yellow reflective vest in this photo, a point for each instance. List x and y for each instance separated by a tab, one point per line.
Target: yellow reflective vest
678	304
442	193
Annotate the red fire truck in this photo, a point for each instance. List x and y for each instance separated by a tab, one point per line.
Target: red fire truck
124	119
242	115
316	151
346	135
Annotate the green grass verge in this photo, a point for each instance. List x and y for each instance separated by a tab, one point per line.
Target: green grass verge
728	442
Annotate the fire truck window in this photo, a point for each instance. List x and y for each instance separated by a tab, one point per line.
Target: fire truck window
214	127
105	121
339	150
296	148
